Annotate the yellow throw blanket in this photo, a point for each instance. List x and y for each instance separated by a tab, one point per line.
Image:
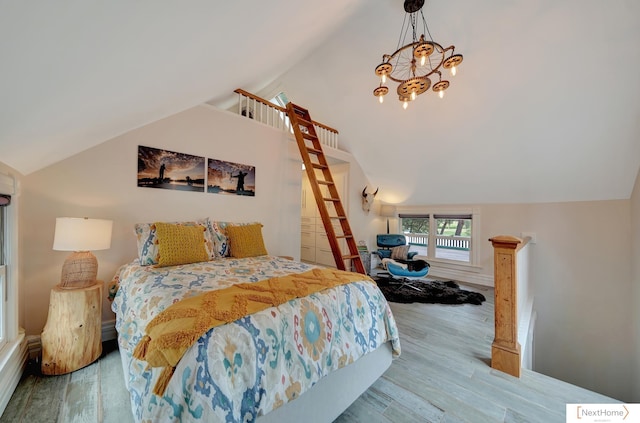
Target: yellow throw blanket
180	325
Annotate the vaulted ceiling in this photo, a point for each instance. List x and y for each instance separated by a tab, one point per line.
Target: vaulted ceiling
545	107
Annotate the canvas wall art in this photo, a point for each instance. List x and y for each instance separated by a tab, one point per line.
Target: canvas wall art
159	168
231	178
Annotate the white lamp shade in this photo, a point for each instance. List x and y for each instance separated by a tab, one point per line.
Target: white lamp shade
387	210
82	234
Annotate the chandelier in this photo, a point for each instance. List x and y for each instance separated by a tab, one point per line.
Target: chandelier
414	63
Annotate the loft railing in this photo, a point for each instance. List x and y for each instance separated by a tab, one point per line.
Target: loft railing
513	303
264	111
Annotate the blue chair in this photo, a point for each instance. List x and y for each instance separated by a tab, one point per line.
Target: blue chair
386	242
412	269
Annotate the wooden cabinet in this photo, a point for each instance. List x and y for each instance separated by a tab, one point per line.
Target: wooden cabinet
314	245
308	239
72	336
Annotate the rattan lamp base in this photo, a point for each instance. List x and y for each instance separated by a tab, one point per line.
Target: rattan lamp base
80	270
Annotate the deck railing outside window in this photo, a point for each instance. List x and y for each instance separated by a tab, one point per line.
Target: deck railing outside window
447	246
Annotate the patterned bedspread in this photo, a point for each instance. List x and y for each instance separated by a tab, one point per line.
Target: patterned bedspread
247	368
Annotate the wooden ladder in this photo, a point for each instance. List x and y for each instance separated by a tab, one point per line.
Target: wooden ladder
309	145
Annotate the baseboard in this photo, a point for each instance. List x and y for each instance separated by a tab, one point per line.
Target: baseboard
13	361
109	330
34	344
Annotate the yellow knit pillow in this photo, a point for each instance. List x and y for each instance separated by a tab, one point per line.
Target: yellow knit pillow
179	244
246	241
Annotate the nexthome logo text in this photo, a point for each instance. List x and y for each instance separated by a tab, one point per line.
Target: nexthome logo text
601	413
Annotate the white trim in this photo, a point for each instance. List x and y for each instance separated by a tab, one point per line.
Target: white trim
437	271
109	330
13	360
7	184
13	353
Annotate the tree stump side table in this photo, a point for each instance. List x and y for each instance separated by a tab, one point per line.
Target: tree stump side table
72	337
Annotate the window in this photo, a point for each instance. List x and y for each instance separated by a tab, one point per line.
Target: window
445	236
280	99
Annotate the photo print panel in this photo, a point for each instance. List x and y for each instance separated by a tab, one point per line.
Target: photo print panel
170	170
231	178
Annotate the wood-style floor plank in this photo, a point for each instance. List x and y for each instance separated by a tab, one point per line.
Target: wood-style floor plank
443	375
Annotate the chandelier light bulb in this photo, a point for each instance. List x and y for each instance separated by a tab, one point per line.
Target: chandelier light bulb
413	95
453	71
423	60
405	104
441	93
384	77
381	99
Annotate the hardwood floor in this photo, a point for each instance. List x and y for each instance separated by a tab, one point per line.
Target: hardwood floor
443	375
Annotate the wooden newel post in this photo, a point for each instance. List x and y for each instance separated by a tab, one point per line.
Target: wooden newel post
505	350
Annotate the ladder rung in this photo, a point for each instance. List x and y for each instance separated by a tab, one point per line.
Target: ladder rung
319	166
304	122
299	110
313	150
331	199
309	136
325	182
338	217
350	256
344	236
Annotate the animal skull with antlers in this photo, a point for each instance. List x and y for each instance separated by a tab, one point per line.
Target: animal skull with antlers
367	199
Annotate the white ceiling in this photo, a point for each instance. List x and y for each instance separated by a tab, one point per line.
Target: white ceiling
545	107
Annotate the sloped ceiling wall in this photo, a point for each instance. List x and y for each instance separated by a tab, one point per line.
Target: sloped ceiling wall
75	74
545	107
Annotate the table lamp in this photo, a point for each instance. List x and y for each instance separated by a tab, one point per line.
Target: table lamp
387	210
81	235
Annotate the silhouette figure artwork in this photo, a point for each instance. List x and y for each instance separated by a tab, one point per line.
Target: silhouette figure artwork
221	174
240	176
166	169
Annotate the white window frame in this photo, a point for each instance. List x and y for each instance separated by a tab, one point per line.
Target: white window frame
8	275
3	285
13	352
474	244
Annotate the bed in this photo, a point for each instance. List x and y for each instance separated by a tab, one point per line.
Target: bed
305	359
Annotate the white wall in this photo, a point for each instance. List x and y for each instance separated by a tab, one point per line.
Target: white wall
581	273
101	183
635	285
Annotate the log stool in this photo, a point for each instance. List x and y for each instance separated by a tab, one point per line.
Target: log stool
72	337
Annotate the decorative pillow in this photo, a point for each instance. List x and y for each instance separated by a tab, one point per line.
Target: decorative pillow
220	242
180	244
220	238
400	253
147	240
246	241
